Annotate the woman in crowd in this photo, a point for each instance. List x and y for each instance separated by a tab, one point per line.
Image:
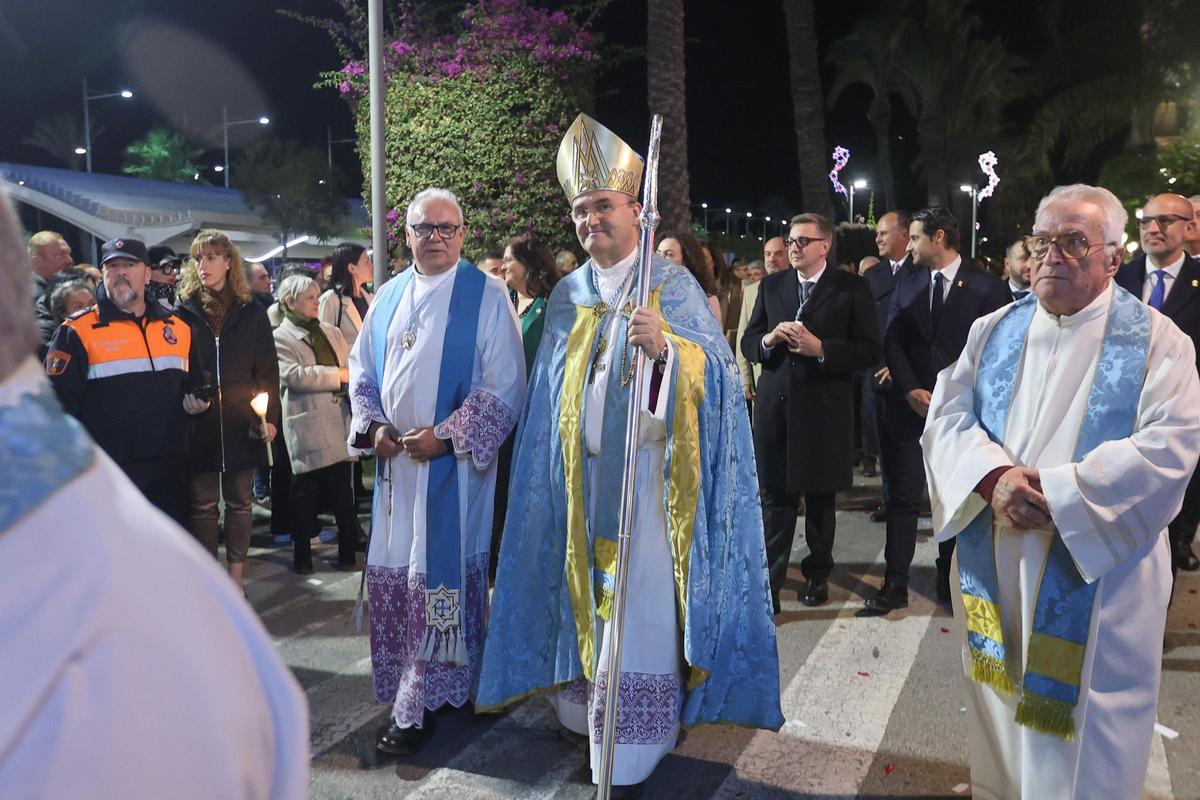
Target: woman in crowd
226	442
686	251
530	272
313	373
71	296
345	302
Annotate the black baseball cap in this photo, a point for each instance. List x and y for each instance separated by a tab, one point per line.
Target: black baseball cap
130	249
161	254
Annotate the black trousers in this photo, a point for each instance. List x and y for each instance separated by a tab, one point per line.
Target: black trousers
331	485
164	482
779	522
880	421
903	464
868	410
281	490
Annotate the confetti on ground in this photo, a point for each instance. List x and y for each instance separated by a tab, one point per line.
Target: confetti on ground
960	788
889	769
864	674
945	630
1169	733
794	725
315	581
1191	591
962	710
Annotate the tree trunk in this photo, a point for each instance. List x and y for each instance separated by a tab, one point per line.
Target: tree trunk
808	106
665	90
880	117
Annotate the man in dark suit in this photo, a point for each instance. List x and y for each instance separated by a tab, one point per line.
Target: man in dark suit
891	239
1017	266
1168	279
937	298
811	328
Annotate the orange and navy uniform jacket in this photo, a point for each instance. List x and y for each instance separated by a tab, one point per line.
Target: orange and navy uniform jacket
124	378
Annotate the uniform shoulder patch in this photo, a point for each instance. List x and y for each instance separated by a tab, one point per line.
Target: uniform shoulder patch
81	312
56	362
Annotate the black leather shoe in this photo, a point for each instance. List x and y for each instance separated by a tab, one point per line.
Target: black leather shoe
1185	559
815	592
397	741
879	514
889	598
943	588
630	792
303	567
775	607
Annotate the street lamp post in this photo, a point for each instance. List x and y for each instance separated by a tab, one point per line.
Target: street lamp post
749	216
765	221
330	142
705	207
858	184
87	134
728	213
226	124
972	190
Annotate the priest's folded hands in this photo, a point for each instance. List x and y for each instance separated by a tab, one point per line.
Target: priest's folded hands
1018	499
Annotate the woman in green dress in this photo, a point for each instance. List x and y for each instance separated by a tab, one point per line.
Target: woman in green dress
530	274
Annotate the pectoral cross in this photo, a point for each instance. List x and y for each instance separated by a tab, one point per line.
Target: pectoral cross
597	362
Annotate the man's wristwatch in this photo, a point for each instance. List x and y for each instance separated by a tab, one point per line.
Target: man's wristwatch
661	358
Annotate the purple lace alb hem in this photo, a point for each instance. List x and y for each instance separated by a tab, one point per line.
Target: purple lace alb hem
479	427
648	710
397	607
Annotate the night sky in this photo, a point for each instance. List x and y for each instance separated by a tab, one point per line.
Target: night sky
185	59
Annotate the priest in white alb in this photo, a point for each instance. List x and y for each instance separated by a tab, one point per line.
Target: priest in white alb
1058	448
437	376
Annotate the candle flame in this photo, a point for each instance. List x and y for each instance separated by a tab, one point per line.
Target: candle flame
259	403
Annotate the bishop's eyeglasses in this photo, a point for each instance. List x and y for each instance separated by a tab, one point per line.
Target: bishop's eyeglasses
424	230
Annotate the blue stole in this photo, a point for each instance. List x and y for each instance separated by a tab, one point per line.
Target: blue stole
42	450
1063	610
443	538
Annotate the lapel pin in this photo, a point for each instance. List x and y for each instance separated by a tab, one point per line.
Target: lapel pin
1195	283
959	284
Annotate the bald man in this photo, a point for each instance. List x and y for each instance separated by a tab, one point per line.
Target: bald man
775	257
1165	277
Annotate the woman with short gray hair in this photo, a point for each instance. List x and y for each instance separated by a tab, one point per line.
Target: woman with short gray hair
313	372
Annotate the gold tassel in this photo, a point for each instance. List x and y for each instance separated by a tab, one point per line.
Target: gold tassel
1047	715
990	671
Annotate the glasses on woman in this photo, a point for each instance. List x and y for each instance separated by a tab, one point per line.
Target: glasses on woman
424	230
1071	245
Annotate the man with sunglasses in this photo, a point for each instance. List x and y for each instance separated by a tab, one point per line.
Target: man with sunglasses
164	272
1166	278
1058	448
811	328
937	297
437	376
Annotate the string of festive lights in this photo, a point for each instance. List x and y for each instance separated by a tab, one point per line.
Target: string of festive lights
840	157
987	163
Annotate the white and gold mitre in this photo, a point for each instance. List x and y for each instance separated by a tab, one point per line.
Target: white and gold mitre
591	158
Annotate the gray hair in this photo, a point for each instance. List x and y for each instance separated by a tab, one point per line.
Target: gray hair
60	293
1194	198
1115	215
426	195
18	334
292	287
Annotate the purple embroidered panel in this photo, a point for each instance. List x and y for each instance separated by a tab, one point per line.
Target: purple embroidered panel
479	427
397	606
365	408
648	709
578	691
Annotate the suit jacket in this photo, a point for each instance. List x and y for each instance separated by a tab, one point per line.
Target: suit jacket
1182	304
749	372
804	414
883	284
916	353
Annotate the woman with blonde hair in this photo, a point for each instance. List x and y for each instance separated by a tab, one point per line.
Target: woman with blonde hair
226	443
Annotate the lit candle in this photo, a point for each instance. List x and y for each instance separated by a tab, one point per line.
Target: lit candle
259	404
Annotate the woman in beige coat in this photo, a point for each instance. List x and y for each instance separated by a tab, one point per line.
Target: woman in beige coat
313	372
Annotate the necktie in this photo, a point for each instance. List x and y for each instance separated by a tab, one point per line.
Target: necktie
805	290
1020	294
935	310
1159	293
895	267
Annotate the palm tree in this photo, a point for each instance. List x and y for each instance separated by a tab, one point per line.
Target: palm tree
665	82
956	85
60	136
163	156
808	108
870	55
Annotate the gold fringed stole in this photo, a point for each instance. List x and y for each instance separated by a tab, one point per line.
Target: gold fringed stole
683	477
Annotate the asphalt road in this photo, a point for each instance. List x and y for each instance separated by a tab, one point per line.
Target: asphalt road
873	706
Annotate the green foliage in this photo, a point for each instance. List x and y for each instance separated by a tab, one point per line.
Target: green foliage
163	156
290	185
477	104
1181	160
